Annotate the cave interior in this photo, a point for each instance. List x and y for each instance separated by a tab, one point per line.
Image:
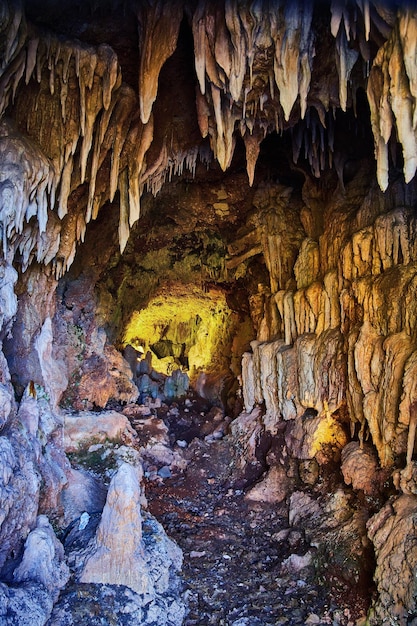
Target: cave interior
212	203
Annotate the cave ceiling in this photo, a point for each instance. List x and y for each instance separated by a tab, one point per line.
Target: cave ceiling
105	102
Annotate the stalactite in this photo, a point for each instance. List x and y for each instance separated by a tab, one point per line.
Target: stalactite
403	105
140	137
120	122
253	146
65	187
81	131
13	31
217	53
159	29
199	33
391	79
203	113
381	118
293	51
346	59
124	229
172	164
25	184
411	433
239	49
224	141
238	46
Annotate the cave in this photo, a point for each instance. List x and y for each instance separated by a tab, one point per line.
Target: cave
208	322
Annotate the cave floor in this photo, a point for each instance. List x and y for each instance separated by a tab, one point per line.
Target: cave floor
236	569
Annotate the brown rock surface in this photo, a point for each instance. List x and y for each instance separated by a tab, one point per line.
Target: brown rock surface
84	429
254	166
360	468
392	531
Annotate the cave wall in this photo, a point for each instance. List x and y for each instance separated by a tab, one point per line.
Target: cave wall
79	133
344	337
114	148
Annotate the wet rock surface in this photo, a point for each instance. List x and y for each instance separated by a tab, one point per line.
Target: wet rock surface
244	562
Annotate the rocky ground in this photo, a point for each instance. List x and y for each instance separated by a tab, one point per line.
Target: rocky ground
244	565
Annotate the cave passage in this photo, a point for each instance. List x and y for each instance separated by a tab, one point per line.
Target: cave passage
184	329
208	321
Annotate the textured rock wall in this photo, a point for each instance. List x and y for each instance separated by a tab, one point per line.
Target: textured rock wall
335	349
345	340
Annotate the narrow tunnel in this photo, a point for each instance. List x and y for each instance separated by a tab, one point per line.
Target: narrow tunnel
207	313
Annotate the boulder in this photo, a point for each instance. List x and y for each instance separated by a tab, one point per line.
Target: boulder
103	377
393	532
43	559
19	490
336	529
360	468
251	443
29	599
315	436
274	487
85	428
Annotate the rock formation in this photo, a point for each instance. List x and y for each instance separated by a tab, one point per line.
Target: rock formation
230	188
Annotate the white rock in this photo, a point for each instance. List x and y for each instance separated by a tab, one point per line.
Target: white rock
6	403
43	559
296	563
28	414
53	372
118	557
84	519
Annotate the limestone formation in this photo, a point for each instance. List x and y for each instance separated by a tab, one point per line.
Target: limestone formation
273	488
392	530
119	557
243	174
124	553
43	559
360	468
80	88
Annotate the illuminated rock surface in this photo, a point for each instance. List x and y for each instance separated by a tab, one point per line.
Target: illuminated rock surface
225	194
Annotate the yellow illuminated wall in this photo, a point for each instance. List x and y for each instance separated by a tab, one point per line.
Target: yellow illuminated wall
187	320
